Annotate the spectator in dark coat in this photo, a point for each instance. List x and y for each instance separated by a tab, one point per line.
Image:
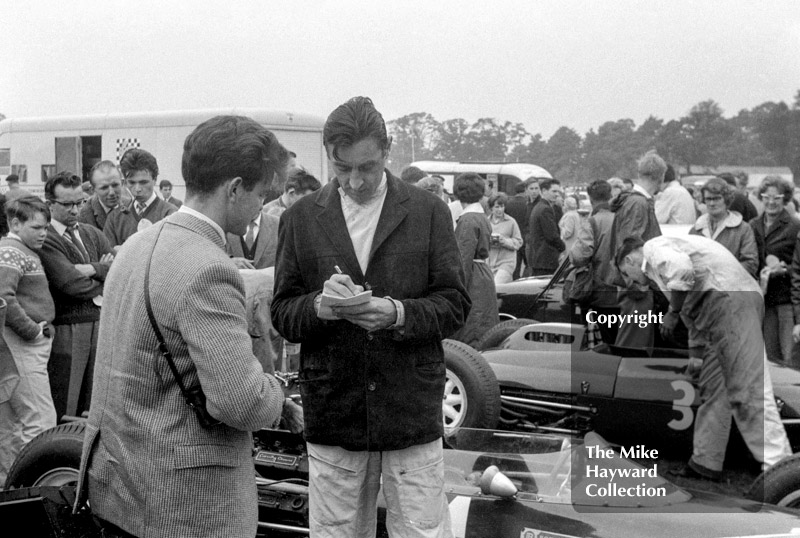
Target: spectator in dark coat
76	258
517	209
776	234
107	182
740	203
635	216
3	220
545	236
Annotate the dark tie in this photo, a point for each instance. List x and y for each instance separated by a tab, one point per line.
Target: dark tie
72	235
139	208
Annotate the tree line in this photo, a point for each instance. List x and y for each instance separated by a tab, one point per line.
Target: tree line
766	135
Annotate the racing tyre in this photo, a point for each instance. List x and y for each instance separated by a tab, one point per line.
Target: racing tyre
471	393
52	458
780	484
495	336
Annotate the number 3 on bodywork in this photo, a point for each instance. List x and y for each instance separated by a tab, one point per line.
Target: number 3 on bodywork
682	404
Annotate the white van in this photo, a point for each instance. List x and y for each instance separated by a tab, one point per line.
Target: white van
37	148
503	177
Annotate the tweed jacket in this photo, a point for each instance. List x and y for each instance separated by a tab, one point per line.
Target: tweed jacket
93	213
123	221
266	246
148	465
382	390
779	241
72	291
545	236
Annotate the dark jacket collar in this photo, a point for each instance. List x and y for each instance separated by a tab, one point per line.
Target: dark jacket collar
603	206
331	219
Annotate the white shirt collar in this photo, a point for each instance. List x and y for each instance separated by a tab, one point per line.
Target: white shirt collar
257	221
148	202
217	228
641	190
378	196
474	208
59	227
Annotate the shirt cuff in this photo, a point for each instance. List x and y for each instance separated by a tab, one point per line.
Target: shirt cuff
401	314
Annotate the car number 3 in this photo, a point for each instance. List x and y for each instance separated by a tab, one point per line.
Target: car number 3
682	404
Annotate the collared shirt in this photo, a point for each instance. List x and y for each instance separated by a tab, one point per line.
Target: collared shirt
147	203
362	221
61	229
641	190
217	228
473	208
106	208
257	225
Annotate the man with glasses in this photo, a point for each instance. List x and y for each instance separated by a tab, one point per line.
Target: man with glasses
76	258
140	170
107	185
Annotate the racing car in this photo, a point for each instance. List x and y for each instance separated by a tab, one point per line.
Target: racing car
499	484
550	382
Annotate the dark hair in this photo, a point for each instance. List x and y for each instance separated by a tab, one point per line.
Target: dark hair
352	122
530	181
599	191
165	183
12	178
629	245
469	187
226	147
138	160
669	174
716	185
26	208
68	180
547	183
782	185
500	197
101	165
728	177
520	187
300	180
412	174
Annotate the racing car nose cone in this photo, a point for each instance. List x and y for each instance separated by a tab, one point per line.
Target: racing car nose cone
494	482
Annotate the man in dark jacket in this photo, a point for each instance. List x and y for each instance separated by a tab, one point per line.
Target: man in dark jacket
140	170
635	216
546	243
76	258
107	185
517	209
373	374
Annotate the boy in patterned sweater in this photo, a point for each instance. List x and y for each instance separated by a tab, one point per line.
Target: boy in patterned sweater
26	404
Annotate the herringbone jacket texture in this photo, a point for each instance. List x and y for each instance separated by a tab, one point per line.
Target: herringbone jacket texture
148	465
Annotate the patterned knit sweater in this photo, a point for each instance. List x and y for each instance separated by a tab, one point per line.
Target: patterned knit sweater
23	285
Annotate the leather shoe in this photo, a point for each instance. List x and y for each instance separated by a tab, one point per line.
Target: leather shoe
689	471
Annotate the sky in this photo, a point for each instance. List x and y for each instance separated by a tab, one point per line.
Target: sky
543	64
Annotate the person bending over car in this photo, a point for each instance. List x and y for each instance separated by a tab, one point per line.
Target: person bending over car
722	306
151	465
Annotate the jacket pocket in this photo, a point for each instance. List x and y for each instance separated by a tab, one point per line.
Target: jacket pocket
188	456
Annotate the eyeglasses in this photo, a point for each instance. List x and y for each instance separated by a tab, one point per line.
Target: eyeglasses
70	205
767	198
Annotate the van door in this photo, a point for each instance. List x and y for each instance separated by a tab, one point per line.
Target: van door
69	154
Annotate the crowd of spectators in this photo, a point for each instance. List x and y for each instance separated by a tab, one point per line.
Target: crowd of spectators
56	253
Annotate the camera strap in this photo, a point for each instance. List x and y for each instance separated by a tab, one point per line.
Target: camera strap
162	345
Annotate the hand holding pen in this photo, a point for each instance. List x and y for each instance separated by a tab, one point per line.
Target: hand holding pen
341	285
